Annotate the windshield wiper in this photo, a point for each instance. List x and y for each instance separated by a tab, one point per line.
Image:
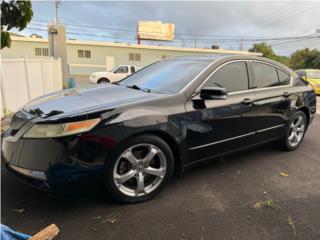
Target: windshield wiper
139	88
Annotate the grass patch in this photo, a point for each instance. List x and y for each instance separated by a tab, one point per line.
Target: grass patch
269	203
291	224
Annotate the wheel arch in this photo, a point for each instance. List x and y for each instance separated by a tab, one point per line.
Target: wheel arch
103	78
305	110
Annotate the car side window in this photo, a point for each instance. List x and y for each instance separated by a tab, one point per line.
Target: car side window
122	69
265	75
233	77
284	77
133	69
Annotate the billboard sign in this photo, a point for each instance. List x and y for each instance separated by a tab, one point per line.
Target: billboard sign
155	30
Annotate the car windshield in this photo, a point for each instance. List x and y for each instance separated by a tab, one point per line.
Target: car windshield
314	74
168	76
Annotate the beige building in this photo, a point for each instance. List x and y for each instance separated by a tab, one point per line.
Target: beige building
85	57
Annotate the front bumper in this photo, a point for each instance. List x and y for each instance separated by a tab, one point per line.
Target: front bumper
54	164
93	80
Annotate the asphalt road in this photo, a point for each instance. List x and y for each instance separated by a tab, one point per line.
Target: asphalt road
220	200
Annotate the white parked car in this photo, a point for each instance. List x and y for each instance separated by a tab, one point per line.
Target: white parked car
116	74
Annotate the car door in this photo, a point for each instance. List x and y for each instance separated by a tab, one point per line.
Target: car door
273	94
121	72
215	127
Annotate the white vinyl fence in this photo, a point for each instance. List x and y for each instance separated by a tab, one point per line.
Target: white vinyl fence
23	79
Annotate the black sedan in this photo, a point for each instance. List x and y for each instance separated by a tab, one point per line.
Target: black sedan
135	135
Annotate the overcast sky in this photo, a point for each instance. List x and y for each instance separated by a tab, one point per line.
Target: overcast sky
207	22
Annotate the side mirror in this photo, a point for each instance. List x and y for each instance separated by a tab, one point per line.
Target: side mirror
213	93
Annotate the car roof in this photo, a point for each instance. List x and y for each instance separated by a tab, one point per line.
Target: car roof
227	57
215	57
201	57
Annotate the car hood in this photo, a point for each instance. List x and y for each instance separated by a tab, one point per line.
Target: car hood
81	100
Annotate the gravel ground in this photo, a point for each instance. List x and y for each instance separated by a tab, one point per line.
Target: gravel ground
220	200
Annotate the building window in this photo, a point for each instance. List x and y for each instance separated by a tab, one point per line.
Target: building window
84	53
45	51
80	53
131	56
137	57
134	57
87	54
38	52
41	51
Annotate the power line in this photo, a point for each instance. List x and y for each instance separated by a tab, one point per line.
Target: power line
231	38
220	37
298	40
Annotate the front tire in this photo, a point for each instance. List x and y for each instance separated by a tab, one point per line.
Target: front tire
295	132
139	169
103	80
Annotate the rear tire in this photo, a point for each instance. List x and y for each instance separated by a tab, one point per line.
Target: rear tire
295	131
139	169
103	80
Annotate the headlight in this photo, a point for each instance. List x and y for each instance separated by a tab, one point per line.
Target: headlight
60	130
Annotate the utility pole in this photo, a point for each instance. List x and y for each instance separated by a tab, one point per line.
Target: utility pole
58	43
57	5
241	43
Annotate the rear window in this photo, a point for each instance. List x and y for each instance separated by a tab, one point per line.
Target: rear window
265	75
302	73
232	77
314	74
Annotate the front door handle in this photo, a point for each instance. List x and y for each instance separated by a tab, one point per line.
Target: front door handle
286	94
247	101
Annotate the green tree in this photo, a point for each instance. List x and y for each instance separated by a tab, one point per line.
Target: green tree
264	49
267	52
305	58
14	14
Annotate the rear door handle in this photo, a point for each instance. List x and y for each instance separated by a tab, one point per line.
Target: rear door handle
247	101
286	94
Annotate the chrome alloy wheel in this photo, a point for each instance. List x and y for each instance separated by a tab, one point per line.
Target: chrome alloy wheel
139	170
296	130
